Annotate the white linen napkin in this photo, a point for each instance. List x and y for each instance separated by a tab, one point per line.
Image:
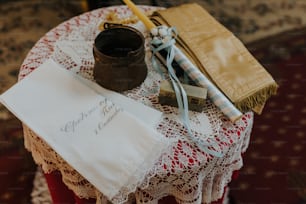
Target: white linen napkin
109	143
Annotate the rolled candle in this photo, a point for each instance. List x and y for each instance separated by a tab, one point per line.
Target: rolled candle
215	95
144	19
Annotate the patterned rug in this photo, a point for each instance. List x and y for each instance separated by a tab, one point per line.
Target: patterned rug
274	167
22	23
274	171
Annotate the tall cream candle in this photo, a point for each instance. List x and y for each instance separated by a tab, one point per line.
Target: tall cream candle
145	20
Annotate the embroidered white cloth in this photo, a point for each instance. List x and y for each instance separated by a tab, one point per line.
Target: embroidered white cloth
110	147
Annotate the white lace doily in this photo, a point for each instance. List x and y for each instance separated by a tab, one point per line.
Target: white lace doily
186	172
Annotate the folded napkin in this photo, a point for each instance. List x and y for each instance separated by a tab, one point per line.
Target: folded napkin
219	55
111	146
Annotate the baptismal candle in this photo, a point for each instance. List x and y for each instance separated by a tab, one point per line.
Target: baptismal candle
144	19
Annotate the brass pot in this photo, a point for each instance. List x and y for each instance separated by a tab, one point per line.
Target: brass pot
119	58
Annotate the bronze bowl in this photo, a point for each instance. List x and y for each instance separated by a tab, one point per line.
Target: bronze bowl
119	55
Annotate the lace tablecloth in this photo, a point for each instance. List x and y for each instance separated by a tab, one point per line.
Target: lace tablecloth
184	171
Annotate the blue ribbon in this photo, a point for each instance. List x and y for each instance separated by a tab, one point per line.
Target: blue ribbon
181	96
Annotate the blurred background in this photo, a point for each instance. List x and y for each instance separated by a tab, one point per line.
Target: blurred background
274	31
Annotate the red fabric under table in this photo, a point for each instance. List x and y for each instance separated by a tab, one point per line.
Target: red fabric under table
61	194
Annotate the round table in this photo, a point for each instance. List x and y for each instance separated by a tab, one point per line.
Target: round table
184	171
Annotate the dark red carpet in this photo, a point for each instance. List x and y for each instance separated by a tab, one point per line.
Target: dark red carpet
17	169
274	169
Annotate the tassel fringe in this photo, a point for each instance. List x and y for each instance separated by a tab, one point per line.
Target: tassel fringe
257	99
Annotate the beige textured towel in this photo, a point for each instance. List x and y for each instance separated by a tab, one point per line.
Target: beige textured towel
220	56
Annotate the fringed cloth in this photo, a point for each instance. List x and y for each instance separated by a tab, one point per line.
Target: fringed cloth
219	55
